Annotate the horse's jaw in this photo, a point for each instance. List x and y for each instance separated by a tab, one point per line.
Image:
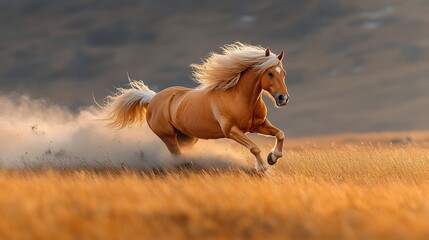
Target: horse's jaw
273	99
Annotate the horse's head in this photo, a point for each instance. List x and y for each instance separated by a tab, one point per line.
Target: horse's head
273	81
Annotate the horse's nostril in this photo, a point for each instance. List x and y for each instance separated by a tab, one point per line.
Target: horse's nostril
281	98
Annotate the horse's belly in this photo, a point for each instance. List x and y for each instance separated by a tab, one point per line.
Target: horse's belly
195	118
206	131
198	124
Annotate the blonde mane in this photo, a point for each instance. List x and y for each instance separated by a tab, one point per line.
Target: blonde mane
222	71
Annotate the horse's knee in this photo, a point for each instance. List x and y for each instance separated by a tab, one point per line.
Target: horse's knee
280	135
255	150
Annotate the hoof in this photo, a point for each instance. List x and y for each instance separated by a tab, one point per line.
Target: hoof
270	159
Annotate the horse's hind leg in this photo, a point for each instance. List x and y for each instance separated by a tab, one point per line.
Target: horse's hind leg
172	144
167	133
185	141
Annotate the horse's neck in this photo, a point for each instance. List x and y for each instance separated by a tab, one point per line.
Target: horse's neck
249	87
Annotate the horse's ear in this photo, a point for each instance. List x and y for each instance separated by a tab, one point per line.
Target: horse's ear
281	55
267	52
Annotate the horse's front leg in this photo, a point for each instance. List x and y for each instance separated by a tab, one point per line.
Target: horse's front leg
267	128
237	135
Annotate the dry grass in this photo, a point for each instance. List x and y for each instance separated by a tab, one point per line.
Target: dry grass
358	191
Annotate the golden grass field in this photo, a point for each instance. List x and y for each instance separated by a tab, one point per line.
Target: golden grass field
348	187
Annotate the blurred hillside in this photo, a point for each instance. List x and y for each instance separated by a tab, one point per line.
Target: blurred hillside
354	66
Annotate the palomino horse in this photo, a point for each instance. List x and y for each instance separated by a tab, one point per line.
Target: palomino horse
227	104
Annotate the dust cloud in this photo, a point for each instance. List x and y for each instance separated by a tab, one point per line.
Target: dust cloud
37	133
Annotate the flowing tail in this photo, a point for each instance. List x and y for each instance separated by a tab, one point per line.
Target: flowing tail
128	105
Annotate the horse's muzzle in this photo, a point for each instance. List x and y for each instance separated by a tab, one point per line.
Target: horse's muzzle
281	100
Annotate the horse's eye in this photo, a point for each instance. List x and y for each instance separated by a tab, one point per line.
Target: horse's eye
270	74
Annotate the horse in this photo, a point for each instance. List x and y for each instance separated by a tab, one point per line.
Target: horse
227	103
